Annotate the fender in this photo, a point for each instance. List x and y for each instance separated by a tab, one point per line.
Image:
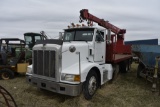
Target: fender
85	68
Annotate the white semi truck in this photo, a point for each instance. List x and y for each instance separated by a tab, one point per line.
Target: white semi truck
85	59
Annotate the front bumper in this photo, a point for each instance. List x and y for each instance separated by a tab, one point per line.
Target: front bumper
62	88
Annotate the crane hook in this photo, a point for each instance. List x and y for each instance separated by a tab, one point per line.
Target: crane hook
80	19
88	22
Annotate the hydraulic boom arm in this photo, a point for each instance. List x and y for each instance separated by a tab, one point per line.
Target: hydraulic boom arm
85	15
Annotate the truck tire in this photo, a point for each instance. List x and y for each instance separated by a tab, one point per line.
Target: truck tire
140	68
90	85
124	66
115	72
129	63
6	74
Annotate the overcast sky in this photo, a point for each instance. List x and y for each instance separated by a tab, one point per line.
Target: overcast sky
140	18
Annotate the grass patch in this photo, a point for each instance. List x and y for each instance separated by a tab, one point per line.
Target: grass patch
126	91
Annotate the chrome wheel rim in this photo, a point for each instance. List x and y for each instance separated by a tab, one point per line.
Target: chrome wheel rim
92	86
116	72
5	76
127	67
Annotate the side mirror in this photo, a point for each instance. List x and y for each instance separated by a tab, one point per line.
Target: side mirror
98	39
60	36
26	46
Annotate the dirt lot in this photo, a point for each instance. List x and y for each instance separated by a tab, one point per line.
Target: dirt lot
125	91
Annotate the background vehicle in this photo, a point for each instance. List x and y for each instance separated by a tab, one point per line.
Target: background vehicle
31	38
87	58
149	62
12	53
141	42
14	56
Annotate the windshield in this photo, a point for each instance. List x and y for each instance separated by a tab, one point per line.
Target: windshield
30	40
78	35
37	38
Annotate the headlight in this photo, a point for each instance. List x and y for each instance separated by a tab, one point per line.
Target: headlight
29	70
70	77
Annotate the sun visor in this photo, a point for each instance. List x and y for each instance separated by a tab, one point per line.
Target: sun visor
50	41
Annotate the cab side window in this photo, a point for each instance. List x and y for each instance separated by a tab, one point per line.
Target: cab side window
99	36
69	36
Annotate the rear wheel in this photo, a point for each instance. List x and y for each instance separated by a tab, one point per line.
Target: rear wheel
140	69
90	85
124	66
115	72
6	74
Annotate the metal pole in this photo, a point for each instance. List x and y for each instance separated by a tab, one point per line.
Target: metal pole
79	64
155	76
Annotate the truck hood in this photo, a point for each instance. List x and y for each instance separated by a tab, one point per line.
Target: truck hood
71	58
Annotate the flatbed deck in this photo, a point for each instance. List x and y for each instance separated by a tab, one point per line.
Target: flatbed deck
120	57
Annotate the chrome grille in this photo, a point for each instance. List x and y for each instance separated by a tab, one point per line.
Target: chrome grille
44	63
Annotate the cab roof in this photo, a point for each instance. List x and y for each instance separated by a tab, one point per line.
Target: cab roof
83	28
31	34
12	39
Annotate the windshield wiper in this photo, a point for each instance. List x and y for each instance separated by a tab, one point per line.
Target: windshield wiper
79	40
67	41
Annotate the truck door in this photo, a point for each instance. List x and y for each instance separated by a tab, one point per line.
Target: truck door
99	46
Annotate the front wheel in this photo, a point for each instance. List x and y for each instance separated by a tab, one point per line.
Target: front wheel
90	85
6	74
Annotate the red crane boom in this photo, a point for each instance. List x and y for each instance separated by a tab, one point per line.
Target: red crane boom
114	49
85	15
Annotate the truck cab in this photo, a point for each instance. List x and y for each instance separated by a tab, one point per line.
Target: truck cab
85	59
90	42
31	38
77	63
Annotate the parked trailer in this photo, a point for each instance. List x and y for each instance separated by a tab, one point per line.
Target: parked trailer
149	66
142	42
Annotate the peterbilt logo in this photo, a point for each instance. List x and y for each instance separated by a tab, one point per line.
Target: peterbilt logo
43	48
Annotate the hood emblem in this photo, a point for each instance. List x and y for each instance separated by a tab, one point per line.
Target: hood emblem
72	48
44	48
